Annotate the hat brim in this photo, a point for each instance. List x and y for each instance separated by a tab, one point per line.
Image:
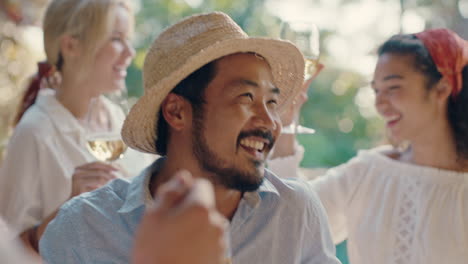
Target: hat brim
285	60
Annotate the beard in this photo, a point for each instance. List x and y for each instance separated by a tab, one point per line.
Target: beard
223	173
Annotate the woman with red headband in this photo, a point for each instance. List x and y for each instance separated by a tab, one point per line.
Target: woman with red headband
47	163
408	205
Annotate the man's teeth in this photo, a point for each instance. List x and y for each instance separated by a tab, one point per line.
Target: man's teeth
392	118
258	145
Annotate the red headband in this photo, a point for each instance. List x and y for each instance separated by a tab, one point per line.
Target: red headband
44	70
450	54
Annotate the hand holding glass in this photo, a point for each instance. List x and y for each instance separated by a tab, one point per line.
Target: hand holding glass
306	37
104	141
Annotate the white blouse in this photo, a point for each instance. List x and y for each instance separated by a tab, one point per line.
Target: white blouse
11	250
45	148
394	212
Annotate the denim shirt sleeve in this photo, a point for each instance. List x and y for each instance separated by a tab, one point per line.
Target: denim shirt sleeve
319	247
61	239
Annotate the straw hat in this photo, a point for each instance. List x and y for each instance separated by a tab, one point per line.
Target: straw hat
188	45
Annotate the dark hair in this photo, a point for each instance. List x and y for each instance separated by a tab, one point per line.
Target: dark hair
410	45
192	89
458	117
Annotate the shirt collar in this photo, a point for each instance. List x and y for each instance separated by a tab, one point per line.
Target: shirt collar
138	193
62	119
267	188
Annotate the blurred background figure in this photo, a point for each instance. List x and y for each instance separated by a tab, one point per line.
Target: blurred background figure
51	157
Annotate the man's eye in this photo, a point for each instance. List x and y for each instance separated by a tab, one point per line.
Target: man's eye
248	95
273	102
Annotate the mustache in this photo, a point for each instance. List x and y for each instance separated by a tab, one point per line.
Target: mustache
266	134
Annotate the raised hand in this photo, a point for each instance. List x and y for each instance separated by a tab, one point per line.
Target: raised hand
183	226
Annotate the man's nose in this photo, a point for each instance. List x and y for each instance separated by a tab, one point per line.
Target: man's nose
264	118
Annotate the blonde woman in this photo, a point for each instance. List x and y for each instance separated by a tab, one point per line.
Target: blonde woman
87	42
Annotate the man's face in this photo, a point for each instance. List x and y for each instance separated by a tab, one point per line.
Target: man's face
237	126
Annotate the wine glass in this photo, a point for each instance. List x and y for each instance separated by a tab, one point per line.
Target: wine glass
306	37
103	140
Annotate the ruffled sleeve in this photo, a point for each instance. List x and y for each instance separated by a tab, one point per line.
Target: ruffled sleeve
336	189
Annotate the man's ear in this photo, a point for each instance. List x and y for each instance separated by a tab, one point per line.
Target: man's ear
175	110
69	46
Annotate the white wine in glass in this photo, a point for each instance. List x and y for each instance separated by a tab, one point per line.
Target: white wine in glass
103	140
306	37
106	148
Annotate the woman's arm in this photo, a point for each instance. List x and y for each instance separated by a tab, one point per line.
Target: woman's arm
31	236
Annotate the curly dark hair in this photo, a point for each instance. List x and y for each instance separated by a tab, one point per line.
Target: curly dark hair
410	45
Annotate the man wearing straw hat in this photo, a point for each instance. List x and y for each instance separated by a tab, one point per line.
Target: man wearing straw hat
211	108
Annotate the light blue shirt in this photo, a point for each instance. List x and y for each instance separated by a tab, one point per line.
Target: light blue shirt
282	222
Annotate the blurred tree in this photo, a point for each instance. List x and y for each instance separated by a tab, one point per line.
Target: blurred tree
154	16
451	14
341	127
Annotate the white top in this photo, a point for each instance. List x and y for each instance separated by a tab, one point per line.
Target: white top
46	146
288	166
11	251
394	212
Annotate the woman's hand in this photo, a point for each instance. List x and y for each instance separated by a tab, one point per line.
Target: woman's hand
91	176
292	112
285	143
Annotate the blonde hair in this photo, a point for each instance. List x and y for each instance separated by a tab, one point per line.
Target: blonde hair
89	21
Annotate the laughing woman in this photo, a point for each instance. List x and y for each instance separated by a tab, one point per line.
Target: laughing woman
47	163
409	206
